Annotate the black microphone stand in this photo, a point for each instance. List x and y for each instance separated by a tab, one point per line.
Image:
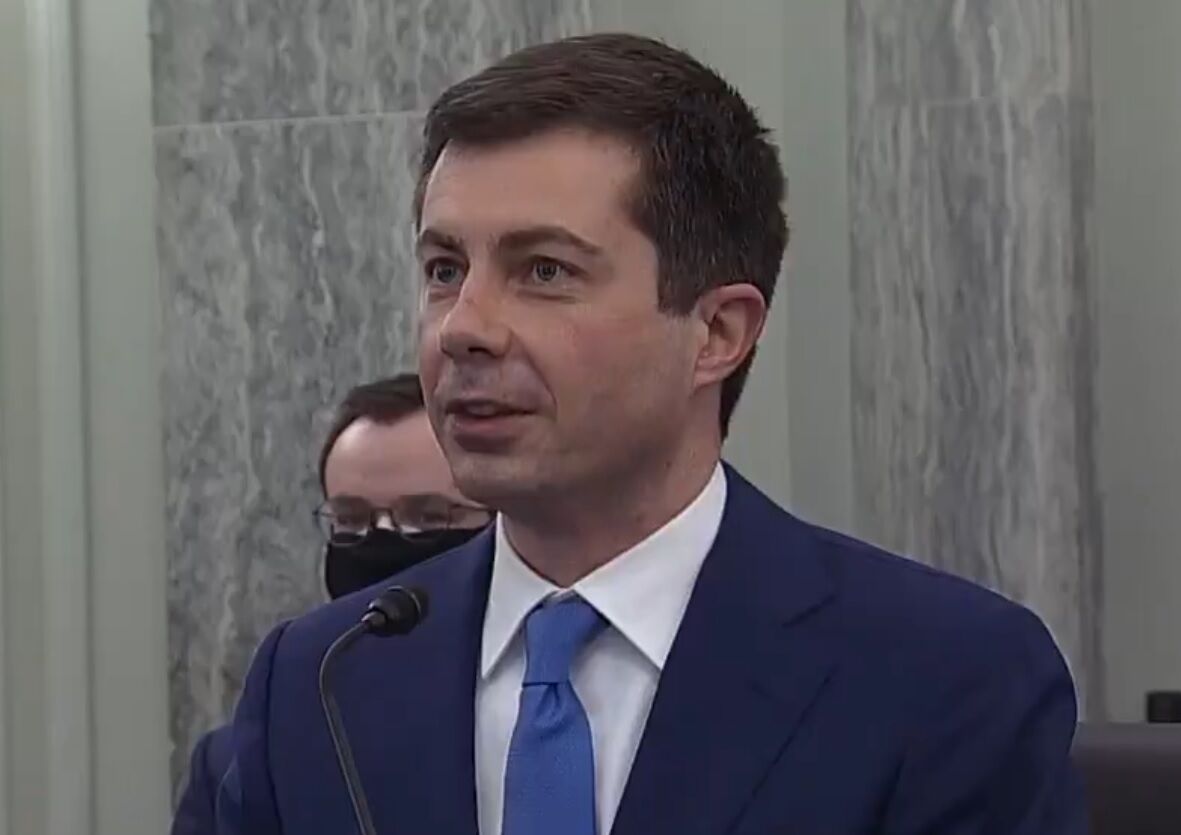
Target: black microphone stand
396	612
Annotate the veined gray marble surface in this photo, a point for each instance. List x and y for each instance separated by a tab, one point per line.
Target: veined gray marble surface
286	143
241	60
972	265
287	275
946	51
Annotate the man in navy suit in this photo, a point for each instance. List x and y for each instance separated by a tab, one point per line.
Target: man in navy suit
643	643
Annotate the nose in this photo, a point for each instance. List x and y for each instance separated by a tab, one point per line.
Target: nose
475	325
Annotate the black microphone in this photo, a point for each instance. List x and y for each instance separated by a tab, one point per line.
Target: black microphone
396	612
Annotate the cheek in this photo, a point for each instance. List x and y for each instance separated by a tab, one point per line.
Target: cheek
558	352
429	353
618	366
427	327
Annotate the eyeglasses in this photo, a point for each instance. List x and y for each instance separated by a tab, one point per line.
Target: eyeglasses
348	520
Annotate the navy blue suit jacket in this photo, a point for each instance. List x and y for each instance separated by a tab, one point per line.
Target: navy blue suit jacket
195	814
816	686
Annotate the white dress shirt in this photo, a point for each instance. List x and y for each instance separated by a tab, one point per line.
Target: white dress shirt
643	594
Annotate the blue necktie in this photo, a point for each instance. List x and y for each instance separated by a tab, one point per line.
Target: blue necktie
549	780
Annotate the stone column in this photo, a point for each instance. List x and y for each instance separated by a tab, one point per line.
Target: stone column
971	172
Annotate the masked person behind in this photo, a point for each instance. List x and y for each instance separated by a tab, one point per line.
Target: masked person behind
389	501
389	504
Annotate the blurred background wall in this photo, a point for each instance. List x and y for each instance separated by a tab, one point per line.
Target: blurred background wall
204	241
1138	220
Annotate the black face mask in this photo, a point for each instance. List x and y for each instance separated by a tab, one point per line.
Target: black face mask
382	554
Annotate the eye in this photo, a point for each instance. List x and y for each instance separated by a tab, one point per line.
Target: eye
352	519
443	272
427	519
545	271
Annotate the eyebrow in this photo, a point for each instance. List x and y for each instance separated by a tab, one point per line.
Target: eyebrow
346	500
440	240
547	234
517	239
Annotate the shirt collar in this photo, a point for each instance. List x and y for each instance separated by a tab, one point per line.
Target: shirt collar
643	592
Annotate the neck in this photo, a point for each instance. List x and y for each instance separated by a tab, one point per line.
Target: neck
568	538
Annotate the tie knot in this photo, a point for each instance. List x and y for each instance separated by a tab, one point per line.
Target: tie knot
554	635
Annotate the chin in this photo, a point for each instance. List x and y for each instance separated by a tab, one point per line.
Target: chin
495	482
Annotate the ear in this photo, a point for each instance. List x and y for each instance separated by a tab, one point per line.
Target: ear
733	317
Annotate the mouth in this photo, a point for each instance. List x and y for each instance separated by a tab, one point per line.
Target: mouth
479	423
482	409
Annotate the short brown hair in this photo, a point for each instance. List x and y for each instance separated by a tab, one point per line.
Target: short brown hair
382	401
711	189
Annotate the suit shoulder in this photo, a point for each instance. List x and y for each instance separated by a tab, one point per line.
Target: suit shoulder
874	588
887	604
909	604
862	564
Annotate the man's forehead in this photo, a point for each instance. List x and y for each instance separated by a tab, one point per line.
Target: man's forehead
369	438
535	180
402	454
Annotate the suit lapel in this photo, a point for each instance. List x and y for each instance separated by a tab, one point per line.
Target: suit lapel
744	668
415	748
